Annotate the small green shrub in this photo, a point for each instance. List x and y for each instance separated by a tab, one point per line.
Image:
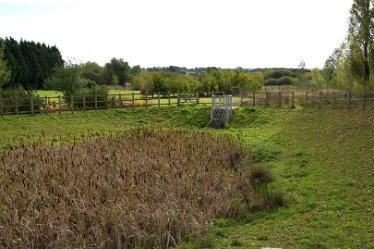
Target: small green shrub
261	175
236	243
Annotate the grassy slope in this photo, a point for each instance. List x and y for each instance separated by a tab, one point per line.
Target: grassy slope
325	168
15	130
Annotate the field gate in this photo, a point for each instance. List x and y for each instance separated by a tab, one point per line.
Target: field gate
221	110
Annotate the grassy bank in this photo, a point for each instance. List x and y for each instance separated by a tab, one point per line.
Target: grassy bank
324	164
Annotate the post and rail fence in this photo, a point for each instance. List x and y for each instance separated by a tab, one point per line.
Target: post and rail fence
279	99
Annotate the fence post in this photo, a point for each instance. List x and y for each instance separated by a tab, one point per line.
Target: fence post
254	99
31	106
292	99
146	100
72	103
349	100
158	100
279	99
84	102
59	104
333	100
306	99
133	101
169	98
46	104
95	99
178	99
267	99
241	97
320	100
120	100
197	98
16	104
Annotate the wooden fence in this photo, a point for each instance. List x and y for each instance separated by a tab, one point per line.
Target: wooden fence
73	103
291	99
334	100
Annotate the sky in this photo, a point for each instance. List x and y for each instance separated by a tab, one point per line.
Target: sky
186	33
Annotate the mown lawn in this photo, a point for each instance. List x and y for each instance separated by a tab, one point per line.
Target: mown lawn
323	161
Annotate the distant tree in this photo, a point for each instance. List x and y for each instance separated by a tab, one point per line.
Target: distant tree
329	69
69	80
114	81
4	71
302	65
117	67
135	70
360	40
94	72
317	79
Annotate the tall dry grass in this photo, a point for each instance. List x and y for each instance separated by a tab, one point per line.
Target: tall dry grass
146	188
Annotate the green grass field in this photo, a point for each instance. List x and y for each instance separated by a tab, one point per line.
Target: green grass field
323	161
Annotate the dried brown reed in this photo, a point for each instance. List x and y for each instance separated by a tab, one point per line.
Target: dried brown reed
146	188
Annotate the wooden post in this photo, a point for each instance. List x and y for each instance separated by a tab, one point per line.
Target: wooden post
292	99
133	101
72	103
178	99
95	99
46	107
158	100
254	99
279	99
84	102
105	102
59	104
16	105
333	100
169	98
320	100
349	100
267	99
120	100
241	98
31	106
146	100
197	98
306	99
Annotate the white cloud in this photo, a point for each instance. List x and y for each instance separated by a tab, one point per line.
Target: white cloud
226	33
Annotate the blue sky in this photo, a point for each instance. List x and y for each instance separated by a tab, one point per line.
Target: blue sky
222	33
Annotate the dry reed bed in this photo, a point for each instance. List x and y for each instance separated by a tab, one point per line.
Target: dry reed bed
146	188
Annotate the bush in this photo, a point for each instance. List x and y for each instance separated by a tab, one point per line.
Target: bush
286	80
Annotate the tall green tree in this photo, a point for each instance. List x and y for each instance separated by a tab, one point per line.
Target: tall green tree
360	40
94	72
4	71
117	67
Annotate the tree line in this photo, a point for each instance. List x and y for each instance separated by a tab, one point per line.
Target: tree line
27	63
351	65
